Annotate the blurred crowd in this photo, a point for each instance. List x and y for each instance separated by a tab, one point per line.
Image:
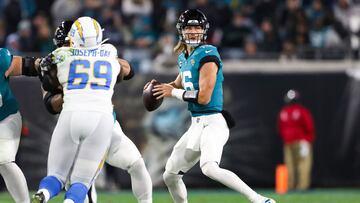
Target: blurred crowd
144	30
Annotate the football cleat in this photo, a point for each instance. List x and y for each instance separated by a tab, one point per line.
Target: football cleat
38	198
268	200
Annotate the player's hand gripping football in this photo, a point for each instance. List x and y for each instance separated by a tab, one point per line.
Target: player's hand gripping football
162	90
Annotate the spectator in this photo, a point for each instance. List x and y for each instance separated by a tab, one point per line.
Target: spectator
12	16
65	10
44	42
92	8
114	29
288	50
236	33
296	128
137	7
2	33
25	36
322	35
12	44
269	40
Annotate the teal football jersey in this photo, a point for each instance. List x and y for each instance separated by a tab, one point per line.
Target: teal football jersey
189	68
8	104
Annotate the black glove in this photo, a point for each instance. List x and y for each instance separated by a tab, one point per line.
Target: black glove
45	65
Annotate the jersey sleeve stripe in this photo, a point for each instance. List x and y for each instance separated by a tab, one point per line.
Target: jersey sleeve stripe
210	58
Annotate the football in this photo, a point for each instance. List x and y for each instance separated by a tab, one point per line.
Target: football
149	100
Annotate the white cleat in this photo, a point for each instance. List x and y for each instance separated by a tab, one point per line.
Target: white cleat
264	200
268	200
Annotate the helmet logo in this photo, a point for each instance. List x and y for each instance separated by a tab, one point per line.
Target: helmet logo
194	22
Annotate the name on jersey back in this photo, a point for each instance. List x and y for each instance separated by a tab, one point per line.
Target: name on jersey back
91	52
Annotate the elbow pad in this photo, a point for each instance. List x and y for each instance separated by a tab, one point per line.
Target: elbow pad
130	75
28	66
47	101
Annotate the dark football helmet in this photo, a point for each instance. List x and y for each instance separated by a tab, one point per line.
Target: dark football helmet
193	17
61	32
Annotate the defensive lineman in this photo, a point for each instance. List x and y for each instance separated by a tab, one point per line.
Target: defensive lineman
122	151
199	83
87	72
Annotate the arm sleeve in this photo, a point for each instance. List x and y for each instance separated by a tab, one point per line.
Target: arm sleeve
209	58
309	128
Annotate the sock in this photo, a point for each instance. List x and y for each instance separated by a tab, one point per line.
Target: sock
91	196
176	187
141	182
229	179
15	182
52	185
68	201
77	193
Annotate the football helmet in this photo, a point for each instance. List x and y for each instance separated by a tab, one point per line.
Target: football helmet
61	33
85	32
192	17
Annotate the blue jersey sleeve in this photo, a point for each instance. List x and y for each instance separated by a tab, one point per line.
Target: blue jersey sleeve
5	60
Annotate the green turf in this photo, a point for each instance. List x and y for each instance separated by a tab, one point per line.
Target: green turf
225	196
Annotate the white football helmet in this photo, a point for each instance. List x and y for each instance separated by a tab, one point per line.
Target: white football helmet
85	32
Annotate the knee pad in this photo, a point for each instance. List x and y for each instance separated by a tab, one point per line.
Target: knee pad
171	178
137	165
209	168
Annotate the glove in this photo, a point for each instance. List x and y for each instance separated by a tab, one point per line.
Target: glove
45	65
304	148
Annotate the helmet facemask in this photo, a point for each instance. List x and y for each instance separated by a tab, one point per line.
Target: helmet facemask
189	21
193	35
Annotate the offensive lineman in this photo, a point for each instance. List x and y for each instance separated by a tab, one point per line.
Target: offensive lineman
87	72
10	130
200	84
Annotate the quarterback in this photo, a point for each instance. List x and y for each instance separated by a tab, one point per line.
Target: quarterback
199	83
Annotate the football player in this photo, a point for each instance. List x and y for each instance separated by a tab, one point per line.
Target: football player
87	72
122	151
10	130
199	83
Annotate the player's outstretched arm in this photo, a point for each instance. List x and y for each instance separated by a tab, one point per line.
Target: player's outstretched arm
126	72
53	101
27	66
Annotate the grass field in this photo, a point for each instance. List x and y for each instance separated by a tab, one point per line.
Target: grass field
224	196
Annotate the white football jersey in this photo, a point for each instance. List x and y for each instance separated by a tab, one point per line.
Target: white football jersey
88	77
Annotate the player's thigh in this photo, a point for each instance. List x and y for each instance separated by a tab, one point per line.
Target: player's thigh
213	139
92	151
63	148
10	130
182	158
122	152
